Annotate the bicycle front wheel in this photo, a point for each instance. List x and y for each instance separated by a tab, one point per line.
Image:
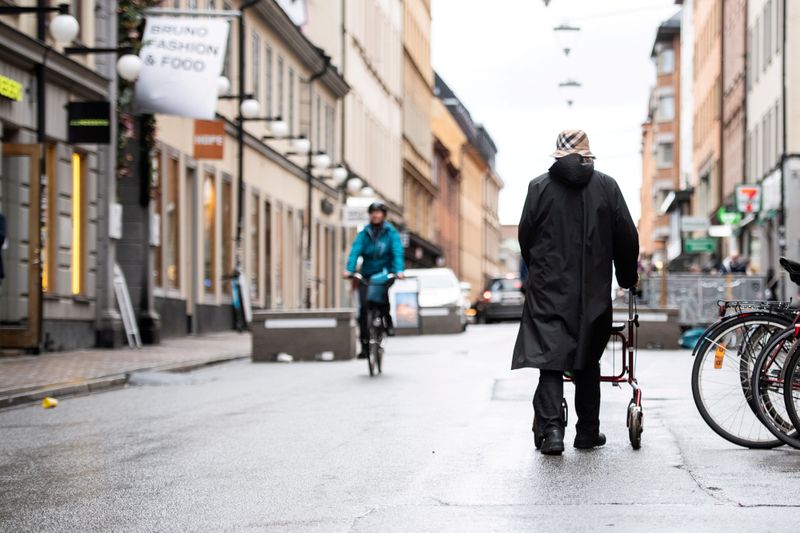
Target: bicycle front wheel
791	384
721	378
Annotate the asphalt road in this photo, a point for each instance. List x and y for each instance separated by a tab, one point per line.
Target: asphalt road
440	442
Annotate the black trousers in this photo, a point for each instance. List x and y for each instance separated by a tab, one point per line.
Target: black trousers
547	400
363	306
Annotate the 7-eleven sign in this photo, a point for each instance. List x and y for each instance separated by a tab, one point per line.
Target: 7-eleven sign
748	198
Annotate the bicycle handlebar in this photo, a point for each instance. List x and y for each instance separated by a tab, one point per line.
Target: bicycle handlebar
357	276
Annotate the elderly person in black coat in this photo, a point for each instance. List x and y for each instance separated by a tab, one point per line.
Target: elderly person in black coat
574	226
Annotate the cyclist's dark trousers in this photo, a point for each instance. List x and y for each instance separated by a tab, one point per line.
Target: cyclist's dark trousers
547	400
363	327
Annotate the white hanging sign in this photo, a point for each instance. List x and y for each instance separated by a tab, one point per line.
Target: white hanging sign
183	58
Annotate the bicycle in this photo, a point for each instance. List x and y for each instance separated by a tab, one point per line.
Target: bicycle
377	300
725	359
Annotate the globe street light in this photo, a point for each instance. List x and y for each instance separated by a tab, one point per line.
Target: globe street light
368	192
339	175
223	85
64	28
129	66
301	145
354	185
278	128
249	108
321	161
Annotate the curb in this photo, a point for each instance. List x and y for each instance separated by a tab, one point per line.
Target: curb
113	381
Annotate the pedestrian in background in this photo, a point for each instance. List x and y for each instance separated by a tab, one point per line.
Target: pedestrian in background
575	225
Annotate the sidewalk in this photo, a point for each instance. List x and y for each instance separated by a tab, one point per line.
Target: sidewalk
30	378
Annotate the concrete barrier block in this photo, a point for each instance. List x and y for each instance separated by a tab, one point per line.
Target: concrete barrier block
659	327
306	335
440	320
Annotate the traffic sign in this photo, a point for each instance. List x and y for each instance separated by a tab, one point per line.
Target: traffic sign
748	198
730	218
694	223
699	246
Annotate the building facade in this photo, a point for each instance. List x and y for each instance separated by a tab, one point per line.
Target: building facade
420	186
449	142
707	108
194	203
368	50
55	262
480	186
659	226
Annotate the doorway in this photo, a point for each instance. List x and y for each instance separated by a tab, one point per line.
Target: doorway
20	294
192	223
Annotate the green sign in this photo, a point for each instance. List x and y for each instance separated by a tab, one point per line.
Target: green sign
699	246
729	218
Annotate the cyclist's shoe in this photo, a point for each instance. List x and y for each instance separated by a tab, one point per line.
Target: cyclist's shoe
553	442
587	441
364	351
362	355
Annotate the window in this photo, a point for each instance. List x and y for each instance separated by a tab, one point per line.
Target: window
666	108
767	48
749	60
209	233
158	254
291	101
319	123
281	108
664	154
330	125
666	61
191	4
172	215
268	78
254	246
256	74
227	233
779	24
78	256
757	49
267	285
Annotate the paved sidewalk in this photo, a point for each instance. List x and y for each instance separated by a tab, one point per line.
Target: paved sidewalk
29	378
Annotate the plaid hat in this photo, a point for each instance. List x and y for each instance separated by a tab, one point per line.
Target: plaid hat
572	142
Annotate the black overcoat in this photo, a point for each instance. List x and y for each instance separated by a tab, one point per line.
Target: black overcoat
574	225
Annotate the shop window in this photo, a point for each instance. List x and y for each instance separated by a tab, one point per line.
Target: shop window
227	233
49	232
172	215
158	253
209	233
254	247
78	255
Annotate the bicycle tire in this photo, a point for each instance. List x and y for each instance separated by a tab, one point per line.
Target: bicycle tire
771	363
373	343
792	377
708	345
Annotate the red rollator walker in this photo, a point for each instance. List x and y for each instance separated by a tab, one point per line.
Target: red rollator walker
624	333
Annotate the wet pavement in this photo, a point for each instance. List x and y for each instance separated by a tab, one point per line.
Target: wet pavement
440	442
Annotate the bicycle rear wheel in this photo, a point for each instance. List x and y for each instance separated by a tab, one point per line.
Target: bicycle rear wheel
767	384
374	343
721	378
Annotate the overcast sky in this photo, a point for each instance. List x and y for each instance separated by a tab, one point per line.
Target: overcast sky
504	62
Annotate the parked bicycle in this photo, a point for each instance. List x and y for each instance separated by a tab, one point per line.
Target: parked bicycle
739	366
377	302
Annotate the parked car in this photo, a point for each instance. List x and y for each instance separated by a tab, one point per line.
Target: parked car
439	287
503	299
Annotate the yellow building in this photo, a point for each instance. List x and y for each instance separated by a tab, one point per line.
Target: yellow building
419	188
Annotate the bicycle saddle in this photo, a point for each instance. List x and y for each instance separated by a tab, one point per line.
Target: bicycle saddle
792	267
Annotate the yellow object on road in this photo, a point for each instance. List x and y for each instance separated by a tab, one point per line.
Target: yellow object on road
49	403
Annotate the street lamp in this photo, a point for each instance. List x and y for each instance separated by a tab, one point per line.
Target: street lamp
321	161
339	175
566	35
279	128
129	66
223	86
354	185
367	192
569	89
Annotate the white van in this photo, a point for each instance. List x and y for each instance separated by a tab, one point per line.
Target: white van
439	287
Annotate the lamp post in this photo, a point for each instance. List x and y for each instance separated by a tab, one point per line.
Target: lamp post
569	88
63	28
566	35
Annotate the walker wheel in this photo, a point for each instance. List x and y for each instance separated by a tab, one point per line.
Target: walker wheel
635	425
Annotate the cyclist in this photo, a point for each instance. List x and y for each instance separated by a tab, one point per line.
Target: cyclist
380	247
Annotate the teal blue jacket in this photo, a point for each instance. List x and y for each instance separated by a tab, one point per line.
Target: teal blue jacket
383	250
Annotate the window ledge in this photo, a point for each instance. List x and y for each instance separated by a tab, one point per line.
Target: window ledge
83	300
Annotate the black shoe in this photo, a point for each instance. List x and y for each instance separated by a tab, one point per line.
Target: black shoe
390	331
587	441
538	437
553	442
363	355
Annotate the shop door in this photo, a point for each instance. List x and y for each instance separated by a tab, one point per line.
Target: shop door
20	295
